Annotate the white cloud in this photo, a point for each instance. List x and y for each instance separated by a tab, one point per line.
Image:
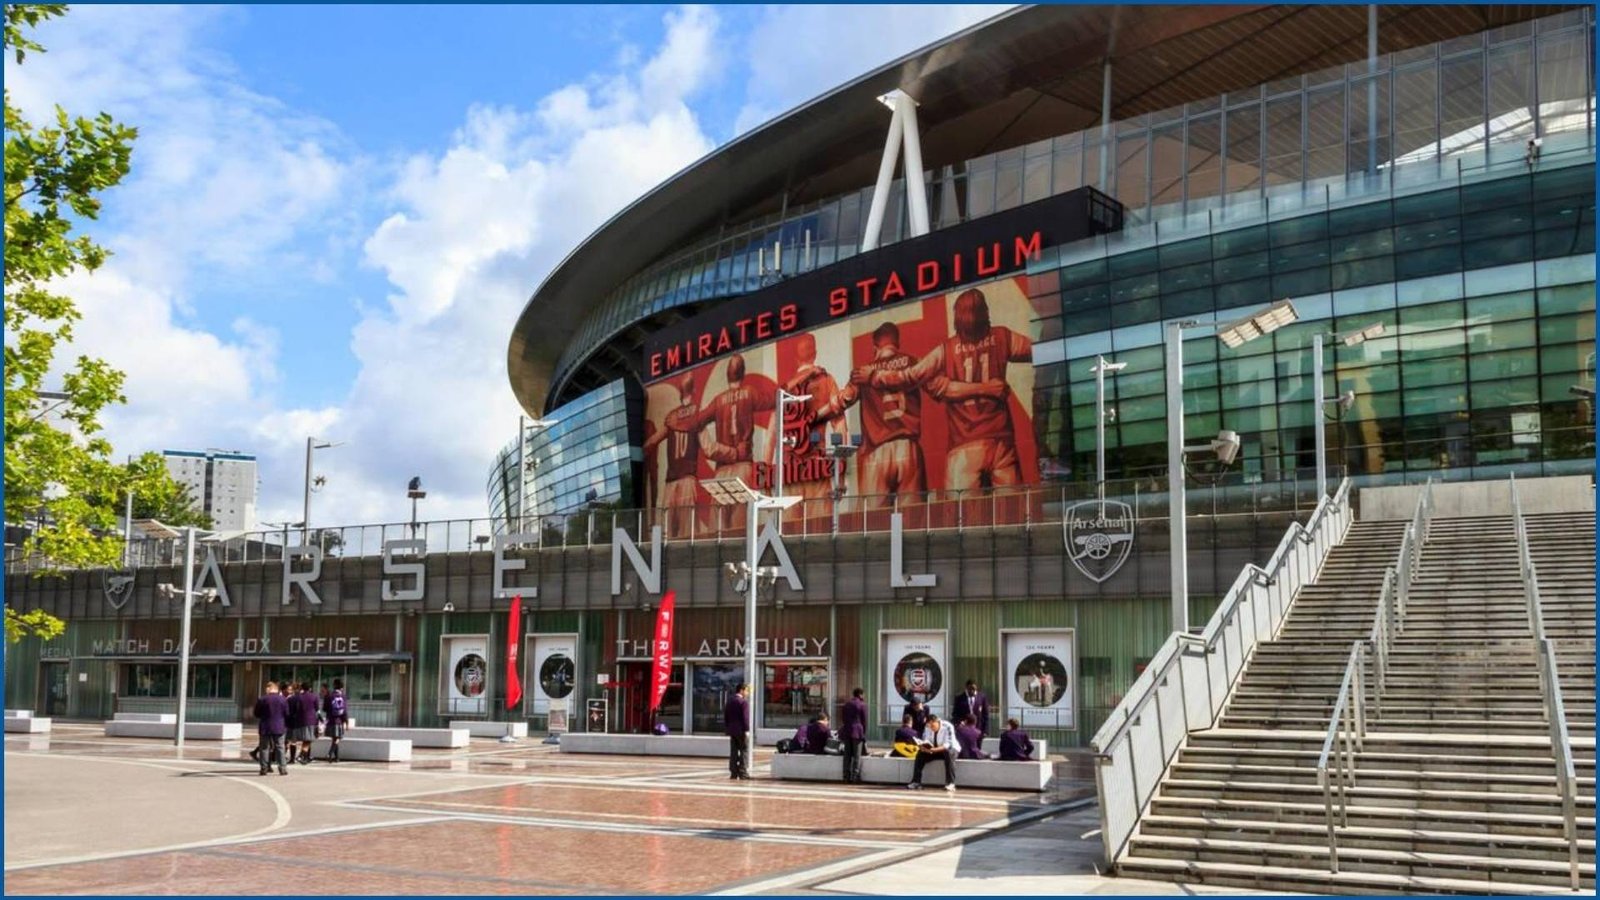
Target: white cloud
795	53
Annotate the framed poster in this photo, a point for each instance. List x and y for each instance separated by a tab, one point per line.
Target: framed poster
552	672
913	668
558	716
597	716
1039	674
464	687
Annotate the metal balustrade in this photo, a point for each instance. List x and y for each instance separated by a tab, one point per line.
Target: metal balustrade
1336	766
1555	710
1189	679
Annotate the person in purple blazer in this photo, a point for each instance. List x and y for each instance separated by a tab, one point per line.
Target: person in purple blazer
272	713
853	733
971	740
307	699
972	702
736	724
1014	743
817	736
918	713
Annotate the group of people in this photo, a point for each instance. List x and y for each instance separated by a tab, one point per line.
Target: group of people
923	736
288	721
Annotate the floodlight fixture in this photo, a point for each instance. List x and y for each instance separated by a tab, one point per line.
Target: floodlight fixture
1258	324
1362	335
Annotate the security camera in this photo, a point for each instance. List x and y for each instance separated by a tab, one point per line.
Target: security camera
449	606
1226	446
1346	400
741	584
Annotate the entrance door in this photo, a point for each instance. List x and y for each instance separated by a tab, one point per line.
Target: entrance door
714	683
53	686
633	698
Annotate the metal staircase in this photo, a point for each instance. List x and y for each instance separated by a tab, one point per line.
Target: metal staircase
1395	735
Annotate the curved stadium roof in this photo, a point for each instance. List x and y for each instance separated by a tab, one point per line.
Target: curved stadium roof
1021	76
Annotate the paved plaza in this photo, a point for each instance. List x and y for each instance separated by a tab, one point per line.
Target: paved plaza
86	814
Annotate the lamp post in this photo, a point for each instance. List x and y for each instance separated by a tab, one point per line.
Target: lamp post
208	595
1319	395
312	444
732	492
784	399
415	492
1101	367
1233	334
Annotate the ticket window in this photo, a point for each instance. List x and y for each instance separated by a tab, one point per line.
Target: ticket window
793	692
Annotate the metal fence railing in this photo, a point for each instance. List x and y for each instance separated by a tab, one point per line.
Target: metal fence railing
1189	679
1336	766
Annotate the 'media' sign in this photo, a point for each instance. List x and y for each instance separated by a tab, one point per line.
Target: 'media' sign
949	258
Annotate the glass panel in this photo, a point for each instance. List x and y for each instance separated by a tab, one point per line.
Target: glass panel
1563	83
980	188
1008	186
1369	124
1132	183
714	683
1036	179
1511	94
1325	155
1166	165
1244	150
1068	170
1204	158
1461	99
1416	114
1284	141
794	692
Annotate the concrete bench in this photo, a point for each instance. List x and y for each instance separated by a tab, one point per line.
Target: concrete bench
646	744
163	718
26	724
19	713
973	773
196	731
365	749
482	729
991	746
419	737
769	737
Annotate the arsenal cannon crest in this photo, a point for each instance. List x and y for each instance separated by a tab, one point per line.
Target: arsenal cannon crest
1099	536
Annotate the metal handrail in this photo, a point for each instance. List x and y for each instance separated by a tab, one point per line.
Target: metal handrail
1525	567
1347	729
1561	746
1385	629
1416	535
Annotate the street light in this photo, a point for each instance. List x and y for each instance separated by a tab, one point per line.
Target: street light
1319	394
208	595
1233	334
784	399
415	492
839	450
313	444
1101	367
732	492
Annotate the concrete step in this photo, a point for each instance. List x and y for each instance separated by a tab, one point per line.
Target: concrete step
1415	839
1422	799
1306	812
1518	782
1279	879
1387	761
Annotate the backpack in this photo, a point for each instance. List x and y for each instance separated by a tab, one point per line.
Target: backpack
337	701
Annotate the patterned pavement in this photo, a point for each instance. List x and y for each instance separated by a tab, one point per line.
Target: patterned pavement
86	814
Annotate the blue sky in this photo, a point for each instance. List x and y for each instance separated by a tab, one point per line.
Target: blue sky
336	212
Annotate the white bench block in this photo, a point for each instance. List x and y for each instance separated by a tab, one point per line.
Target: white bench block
163	718
197	731
419	737
19	713
27	725
1014	776
991	746
365	749
645	744
481	729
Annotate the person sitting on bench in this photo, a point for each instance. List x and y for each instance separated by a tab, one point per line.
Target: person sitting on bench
938	742
971	739
1014	743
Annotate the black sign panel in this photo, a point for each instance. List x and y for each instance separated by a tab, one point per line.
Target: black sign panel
986	248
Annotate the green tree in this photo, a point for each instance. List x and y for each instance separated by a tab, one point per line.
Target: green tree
59	476
157	496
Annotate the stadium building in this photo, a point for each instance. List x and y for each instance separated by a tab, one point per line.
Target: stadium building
1416	181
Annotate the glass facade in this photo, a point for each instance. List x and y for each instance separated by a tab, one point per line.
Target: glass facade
582	459
1485	290
1413	117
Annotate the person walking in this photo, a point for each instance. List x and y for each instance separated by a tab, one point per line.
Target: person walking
736	722
307	701
271	714
853	732
938	742
338	718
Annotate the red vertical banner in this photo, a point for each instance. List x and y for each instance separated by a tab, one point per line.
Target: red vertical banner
513	640
661	671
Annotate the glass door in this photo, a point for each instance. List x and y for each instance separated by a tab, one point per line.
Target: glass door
714	683
53	685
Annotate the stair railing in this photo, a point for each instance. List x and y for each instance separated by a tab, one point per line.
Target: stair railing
1555	709
1411	544
1189	679
1561	746
1336	766
1380	641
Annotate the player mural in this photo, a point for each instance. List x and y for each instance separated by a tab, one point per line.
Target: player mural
940	391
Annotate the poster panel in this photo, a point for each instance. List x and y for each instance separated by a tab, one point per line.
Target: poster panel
913	668
553	672
464	687
558	716
597	716
940	391
1040	669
